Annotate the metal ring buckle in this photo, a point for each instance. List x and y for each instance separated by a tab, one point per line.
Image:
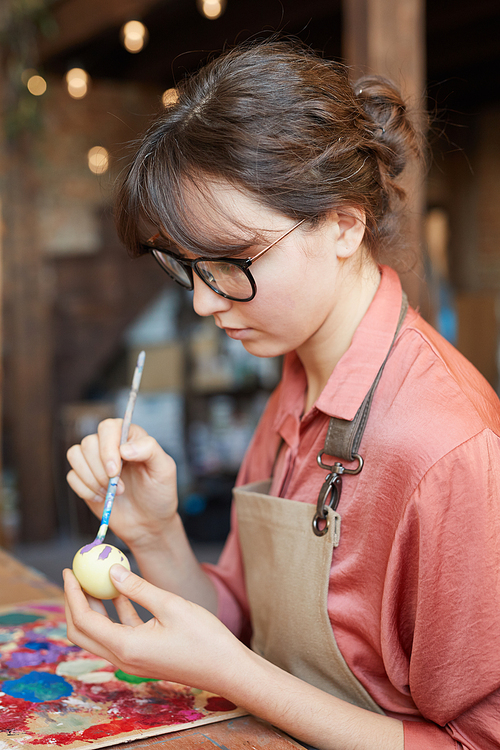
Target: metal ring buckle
329	495
317	530
339	468
328	498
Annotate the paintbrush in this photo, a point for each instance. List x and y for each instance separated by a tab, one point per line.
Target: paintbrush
92	562
127	419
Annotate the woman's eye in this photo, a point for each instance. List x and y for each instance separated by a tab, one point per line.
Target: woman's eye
227	269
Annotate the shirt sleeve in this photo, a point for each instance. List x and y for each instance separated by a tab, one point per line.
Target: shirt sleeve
441	622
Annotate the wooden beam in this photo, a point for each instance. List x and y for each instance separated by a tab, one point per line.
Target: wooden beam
27	354
387	37
78	21
3	535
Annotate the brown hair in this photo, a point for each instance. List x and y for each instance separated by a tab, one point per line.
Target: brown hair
282	124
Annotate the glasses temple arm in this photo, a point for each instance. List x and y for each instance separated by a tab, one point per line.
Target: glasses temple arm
295	226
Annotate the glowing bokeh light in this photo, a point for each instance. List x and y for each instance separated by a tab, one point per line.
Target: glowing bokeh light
98	159
169	96
134	36
211	9
36	85
77	81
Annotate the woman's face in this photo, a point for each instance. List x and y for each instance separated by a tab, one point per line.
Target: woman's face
304	282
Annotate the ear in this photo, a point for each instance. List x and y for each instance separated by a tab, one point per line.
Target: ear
351	230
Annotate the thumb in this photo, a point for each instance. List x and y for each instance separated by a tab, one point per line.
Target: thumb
147	450
134	587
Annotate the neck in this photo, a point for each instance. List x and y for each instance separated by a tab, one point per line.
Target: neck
320	354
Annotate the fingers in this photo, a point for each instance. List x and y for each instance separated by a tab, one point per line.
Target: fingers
78	610
87	493
109	434
144	449
112	640
126	612
136	588
96	605
88	478
97	459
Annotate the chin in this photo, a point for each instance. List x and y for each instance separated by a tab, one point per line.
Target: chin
265	349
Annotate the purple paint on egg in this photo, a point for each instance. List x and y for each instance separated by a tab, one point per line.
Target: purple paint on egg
105	553
90	546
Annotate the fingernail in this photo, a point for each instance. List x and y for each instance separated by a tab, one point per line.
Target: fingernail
111	468
128	450
118	572
98	498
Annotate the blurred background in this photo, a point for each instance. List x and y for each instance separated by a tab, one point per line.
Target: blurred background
79	81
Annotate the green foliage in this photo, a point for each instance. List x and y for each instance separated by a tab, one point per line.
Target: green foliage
22	22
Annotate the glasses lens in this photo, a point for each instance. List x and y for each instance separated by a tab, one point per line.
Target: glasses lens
174	269
225	278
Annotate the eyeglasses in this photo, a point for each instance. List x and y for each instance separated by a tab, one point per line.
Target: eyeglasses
229	277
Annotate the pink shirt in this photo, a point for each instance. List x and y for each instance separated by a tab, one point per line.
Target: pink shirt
414	596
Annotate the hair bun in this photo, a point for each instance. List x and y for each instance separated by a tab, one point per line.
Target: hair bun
390	122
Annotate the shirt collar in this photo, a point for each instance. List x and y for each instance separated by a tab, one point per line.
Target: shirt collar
355	372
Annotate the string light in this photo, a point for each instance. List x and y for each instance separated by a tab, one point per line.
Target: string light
98	159
134	36
169	96
77	81
211	9
36	85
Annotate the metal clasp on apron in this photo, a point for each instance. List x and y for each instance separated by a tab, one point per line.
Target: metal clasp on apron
329	497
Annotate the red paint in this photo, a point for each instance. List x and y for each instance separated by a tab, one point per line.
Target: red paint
97	732
135	718
15	713
122	709
216	703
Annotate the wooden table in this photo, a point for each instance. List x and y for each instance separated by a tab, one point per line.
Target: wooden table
18	583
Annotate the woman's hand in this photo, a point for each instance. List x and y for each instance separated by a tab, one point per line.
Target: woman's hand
181	643
146	498
184	643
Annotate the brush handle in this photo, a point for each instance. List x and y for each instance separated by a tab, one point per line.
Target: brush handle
127	419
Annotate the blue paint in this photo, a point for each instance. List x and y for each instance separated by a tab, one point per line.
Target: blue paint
38	687
36	645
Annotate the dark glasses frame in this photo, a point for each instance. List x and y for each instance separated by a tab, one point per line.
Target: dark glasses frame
192	265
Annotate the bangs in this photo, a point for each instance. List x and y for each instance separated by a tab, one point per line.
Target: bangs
162	193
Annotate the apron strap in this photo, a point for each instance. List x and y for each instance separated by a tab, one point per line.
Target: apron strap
343	439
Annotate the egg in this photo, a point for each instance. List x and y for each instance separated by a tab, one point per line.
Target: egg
91	566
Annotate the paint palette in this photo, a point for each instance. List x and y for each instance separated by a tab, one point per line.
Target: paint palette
55	694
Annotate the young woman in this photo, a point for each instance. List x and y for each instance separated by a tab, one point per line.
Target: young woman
358	590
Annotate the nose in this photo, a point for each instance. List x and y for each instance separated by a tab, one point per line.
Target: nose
205	301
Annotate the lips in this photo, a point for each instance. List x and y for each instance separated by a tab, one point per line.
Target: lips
237	333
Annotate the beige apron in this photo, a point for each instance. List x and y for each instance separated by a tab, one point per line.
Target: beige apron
287	571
